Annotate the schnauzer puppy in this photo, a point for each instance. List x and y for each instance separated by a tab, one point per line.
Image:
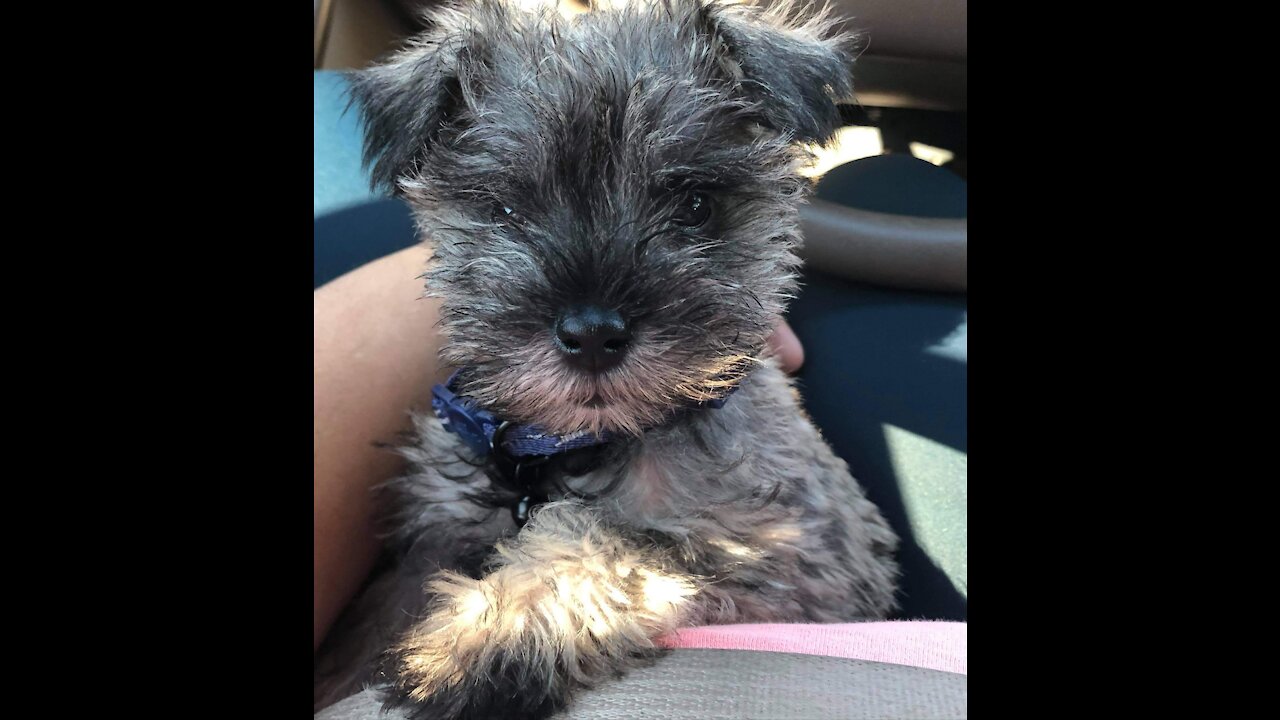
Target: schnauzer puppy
612	204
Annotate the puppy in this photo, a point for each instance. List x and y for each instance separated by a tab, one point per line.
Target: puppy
612	204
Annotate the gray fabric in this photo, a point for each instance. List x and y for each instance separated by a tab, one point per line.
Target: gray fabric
742	684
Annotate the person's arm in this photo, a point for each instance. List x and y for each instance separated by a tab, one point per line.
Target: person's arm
376	357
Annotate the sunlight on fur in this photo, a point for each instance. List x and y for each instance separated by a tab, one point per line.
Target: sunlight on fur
567	8
473	606
663	594
781	533
736	549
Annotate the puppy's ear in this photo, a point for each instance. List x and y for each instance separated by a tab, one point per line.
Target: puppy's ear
790	59
409	101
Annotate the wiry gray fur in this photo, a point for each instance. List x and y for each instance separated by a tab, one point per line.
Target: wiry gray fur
545	160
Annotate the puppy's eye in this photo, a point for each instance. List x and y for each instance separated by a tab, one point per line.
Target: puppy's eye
504	215
695	211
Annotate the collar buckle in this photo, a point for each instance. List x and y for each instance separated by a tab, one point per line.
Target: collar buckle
523	475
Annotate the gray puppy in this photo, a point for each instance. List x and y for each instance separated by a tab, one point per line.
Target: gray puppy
612	203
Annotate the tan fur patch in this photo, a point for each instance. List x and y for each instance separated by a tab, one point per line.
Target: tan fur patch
584	599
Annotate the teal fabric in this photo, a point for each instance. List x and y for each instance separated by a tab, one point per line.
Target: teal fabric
339	180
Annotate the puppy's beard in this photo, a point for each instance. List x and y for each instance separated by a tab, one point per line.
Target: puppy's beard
536	386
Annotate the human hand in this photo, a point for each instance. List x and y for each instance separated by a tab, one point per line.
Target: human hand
786	346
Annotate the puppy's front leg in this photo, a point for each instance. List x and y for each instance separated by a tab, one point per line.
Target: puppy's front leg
568	603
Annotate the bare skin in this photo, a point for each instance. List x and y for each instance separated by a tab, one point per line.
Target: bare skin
376	355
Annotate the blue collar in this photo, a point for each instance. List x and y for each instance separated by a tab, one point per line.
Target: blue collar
484	432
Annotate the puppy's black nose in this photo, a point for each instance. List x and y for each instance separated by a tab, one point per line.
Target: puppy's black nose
591	337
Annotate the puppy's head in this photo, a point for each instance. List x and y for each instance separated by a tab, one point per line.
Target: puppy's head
612	200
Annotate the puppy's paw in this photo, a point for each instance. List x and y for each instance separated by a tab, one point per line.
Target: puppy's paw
566	607
493	693
466	661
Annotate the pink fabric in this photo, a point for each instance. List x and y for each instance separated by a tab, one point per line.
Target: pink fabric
934	645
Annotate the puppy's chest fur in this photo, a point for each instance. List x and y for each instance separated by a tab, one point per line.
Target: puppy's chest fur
748	499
